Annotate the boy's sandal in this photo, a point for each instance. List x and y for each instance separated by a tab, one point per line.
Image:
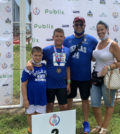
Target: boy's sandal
29	131
103	131
96	129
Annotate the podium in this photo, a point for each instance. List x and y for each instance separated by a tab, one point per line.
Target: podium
63	122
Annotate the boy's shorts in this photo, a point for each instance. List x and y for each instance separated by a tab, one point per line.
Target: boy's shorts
36	109
60	93
84	89
98	92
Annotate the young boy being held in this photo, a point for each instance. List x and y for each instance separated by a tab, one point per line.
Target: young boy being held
34	87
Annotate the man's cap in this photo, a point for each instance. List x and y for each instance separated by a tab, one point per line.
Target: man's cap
79	19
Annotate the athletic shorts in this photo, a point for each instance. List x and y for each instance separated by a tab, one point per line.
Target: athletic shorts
36	109
60	93
97	92
84	89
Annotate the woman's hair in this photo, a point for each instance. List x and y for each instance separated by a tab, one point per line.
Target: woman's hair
103	23
36	49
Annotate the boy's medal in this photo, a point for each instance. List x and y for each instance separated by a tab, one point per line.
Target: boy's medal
58	59
59	70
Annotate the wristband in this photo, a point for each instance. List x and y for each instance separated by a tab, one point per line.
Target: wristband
68	81
109	68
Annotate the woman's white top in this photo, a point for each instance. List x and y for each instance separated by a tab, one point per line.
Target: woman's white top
103	57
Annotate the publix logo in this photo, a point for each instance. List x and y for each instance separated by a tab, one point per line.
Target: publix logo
54	11
6	76
43	26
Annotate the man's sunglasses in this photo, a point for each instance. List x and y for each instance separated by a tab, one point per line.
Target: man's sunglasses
78	25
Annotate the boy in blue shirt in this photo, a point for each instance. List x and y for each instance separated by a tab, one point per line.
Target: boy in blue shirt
34	86
58	71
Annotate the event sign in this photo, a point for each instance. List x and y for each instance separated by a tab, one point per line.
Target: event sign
6	52
63	122
50	14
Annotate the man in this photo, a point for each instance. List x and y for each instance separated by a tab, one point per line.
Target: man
81	46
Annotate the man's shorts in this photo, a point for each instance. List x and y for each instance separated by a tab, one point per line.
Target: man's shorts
97	92
60	93
36	109
84	89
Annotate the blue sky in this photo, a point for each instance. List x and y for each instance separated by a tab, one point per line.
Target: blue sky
27	8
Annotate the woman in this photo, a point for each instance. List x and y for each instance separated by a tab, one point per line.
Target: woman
107	56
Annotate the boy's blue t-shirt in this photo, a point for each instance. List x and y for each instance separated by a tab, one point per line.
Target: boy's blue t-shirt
36	87
56	80
80	62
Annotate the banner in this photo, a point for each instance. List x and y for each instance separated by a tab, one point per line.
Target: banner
50	14
6	52
63	122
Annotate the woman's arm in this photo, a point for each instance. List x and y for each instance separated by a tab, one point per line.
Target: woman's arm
115	50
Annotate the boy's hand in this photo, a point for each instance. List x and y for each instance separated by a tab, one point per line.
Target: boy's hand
68	88
29	65
26	103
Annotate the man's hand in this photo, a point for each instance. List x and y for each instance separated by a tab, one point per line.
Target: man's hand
68	88
29	65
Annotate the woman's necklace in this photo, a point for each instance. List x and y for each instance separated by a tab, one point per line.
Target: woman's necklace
103	44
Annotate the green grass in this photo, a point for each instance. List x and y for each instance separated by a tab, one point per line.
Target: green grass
16	67
16	71
113	126
13	124
17	123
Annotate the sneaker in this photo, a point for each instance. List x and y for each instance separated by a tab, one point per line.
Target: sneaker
86	127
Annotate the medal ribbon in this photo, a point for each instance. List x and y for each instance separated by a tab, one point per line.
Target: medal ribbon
58	59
